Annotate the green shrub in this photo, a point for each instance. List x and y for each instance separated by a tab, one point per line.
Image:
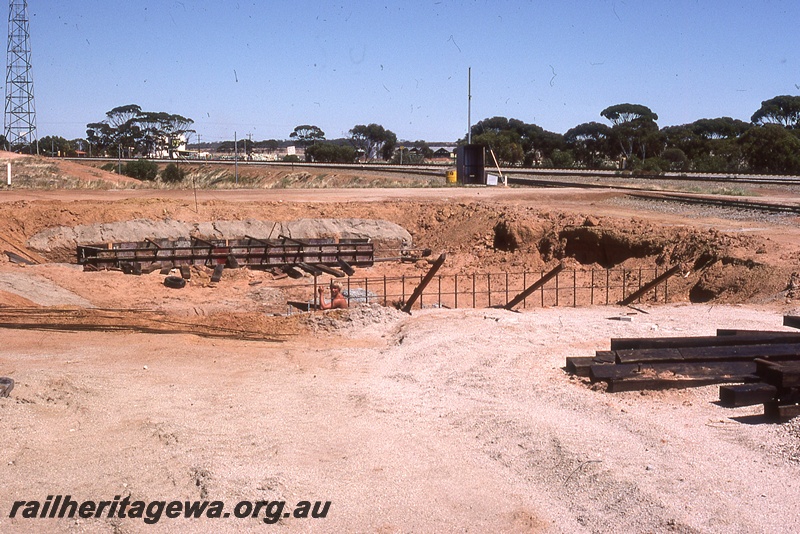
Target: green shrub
172	174
141	169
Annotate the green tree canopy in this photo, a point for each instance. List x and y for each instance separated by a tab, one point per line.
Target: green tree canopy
590	142
307	134
56	146
514	141
136	131
772	149
622	113
330	153
783	110
719	128
635	130
373	140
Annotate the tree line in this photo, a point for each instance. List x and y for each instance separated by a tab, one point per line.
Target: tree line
632	140
629	139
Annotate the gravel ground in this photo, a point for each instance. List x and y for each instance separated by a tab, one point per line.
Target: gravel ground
699	211
442	421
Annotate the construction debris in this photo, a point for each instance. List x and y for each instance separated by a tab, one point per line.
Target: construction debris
217	275
240	252
765	364
6	385
16	258
175	282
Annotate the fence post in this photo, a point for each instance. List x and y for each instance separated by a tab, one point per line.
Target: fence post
473	291
640	283
455	291
656	288
385	296
489	287
556	290
542	290
524	284
574	289
591	290
608	282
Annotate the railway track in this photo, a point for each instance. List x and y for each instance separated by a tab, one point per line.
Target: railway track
668	196
572	178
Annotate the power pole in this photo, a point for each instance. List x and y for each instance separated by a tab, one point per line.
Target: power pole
20	112
469	106
236	158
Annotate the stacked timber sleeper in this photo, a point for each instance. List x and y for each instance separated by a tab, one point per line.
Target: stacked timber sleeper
765	364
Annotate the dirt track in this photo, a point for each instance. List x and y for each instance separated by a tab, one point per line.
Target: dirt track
446	420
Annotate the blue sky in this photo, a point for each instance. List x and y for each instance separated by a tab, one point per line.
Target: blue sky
261	68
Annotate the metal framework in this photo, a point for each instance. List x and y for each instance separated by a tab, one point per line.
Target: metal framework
247	252
20	112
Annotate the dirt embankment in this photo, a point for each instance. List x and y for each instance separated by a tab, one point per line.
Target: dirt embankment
523	232
479	237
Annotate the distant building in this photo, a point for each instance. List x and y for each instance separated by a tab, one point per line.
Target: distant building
443	154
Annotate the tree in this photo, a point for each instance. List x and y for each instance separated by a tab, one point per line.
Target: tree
100	136
635	129
771	148
373	140
505	144
56	146
330	153
719	128
676	159
622	113
590	141
423	149
136	131
174	129
515	141
269	144
172	173
306	134
125	131
708	144
783	110
141	169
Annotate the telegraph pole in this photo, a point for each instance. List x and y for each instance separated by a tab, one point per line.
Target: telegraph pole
20	112
235	158
469	106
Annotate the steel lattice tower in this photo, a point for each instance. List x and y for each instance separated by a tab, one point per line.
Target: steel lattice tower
20	113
